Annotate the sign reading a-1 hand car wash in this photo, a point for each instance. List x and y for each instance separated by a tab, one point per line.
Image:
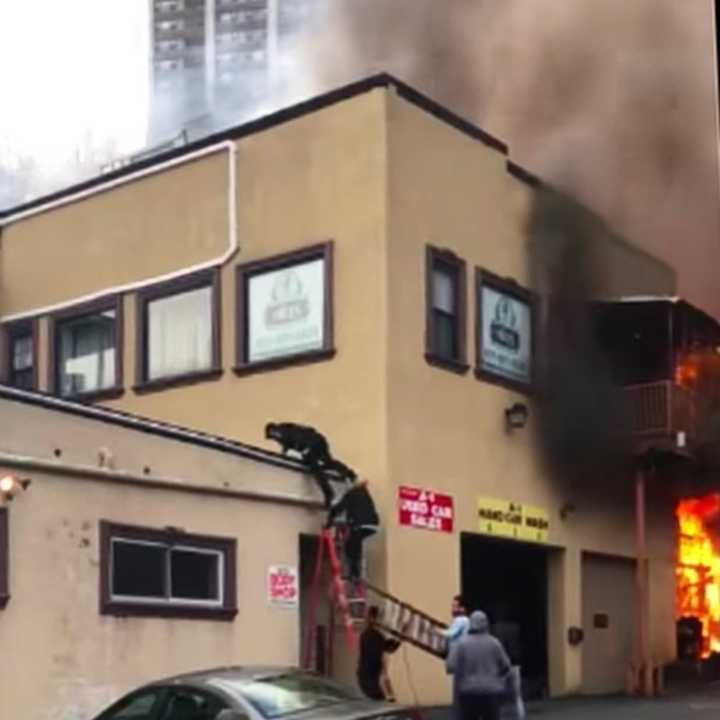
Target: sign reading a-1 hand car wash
425	509
505	337
503	518
283	586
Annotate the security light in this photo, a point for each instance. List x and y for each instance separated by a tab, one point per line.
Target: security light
10	486
516	416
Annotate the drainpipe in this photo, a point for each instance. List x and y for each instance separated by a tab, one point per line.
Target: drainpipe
643	660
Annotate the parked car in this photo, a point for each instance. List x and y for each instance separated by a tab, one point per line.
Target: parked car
251	693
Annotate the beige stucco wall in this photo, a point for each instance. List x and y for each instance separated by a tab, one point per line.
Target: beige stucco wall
70	660
446	431
300	184
382	179
154	225
320	177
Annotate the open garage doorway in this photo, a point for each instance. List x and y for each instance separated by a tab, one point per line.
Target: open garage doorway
509	581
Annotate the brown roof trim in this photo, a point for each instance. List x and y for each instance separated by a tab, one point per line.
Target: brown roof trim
319	102
446	115
523	175
149	426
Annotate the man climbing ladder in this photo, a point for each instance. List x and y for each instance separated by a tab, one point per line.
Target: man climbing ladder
361	521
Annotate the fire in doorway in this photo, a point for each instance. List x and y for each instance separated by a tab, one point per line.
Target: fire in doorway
698	571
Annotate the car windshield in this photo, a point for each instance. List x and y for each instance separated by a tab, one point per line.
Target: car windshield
275	697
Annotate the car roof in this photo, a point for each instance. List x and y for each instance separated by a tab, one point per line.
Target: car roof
237	673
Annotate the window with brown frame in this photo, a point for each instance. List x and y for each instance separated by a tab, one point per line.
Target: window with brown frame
86	350
445	334
504	331
166	573
4	558
285	309
178	326
21	357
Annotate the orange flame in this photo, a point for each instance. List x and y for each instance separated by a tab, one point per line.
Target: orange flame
698	568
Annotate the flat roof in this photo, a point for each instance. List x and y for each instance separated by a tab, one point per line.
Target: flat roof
346	92
152	427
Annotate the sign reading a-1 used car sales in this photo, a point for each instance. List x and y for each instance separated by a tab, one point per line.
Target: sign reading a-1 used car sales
425	509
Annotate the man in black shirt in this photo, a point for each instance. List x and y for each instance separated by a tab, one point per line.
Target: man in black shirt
372	670
362	521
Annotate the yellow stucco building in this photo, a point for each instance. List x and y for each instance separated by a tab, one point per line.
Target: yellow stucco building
358	263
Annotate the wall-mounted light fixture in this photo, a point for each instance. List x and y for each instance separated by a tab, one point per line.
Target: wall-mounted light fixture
11	485
516	417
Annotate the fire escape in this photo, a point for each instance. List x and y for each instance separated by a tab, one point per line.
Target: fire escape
664	353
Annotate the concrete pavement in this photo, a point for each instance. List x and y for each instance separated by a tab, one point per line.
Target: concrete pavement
703	704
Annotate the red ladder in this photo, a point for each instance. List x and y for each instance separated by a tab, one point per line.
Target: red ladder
327	543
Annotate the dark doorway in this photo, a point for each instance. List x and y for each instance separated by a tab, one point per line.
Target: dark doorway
508	581
320	636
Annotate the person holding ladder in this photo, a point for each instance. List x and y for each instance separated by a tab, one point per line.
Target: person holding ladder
372	672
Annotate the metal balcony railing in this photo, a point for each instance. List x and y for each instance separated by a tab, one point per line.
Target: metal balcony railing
661	409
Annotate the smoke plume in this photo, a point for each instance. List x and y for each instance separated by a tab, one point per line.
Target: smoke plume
610	101
584	421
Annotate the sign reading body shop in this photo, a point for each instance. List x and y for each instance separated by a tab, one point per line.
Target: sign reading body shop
506	345
286	313
503	518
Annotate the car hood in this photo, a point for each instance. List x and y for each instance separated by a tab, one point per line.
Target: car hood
355	710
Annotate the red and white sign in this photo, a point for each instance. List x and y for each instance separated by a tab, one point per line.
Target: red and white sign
283	585
425	509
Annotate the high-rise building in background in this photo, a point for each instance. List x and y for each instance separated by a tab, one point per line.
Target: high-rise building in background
211	59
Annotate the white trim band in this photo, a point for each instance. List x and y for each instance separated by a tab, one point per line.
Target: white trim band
109	185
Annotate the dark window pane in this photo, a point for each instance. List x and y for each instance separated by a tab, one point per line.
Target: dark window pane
445	341
138	570
192	704
86	353
635	339
444	290
24	379
137	707
195	575
21	361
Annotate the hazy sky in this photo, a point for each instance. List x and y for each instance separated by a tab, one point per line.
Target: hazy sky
72	71
614	100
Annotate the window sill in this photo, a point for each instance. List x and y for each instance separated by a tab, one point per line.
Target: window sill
178	612
4	599
447	363
286	361
515	386
192	378
96	395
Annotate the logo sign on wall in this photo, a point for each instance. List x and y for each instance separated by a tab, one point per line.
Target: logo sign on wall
283	586
503	518
425	509
506	335
286	311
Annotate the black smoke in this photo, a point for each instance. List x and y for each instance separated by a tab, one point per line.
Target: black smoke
584	422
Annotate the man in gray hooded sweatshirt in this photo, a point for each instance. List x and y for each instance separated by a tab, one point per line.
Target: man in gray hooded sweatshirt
481	671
